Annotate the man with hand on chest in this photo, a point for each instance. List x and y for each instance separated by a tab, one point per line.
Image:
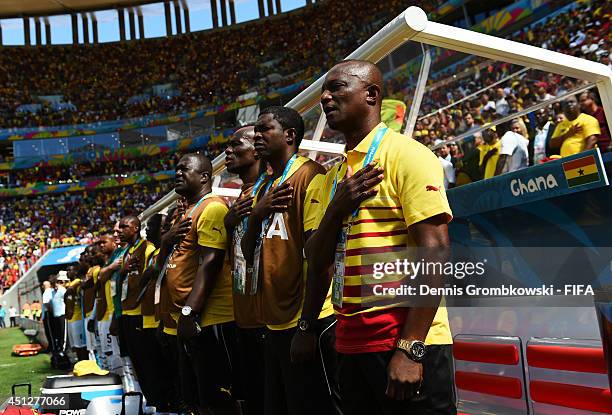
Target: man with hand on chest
199	286
240	159
385	201
273	246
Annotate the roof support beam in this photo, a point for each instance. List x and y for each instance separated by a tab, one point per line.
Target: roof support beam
85	21
37	31
75	28
232	8
185	7
141	32
132	23
223	13
270	8
215	16
47	32
26	30
262	10
121	24
177	17
168	17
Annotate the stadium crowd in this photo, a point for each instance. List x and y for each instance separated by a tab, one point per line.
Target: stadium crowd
98	81
30	226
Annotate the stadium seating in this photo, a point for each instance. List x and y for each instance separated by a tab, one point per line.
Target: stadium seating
30	226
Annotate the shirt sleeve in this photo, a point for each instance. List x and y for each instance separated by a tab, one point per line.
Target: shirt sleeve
312	204
508	144
420	185
148	251
590	127
211	228
324	195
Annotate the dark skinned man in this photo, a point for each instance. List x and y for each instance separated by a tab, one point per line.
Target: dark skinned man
199	286
392	359
104	301
74	315
95	260
273	245
578	133
133	263
240	159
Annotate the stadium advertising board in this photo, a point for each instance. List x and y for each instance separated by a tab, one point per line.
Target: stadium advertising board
577	173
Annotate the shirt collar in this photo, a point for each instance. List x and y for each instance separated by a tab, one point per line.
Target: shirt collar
364	145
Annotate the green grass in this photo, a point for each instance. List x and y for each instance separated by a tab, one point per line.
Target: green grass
33	369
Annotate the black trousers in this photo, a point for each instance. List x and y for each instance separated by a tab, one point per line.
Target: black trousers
363	382
156	378
134	343
2	323
59	333
48	332
13	321
249	369
169	349
301	389
205	366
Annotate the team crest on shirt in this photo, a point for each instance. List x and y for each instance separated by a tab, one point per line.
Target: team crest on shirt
431	188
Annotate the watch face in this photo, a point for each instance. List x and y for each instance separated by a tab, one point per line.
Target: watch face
186	310
303	325
418	349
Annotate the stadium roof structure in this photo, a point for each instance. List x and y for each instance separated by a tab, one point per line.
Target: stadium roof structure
15	8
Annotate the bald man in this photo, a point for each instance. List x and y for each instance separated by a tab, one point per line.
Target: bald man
387	195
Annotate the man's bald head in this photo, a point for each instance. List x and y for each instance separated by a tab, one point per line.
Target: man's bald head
365	71
351	96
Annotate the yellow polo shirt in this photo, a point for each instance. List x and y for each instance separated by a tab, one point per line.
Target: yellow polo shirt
576	143
412	190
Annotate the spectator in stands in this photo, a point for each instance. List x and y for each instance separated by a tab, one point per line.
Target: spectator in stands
543	131
513	149
588	105
578	133
489	152
501	105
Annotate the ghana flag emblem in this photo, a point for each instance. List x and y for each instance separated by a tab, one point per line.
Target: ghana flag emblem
581	171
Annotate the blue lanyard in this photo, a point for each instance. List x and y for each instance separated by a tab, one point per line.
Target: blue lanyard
199	203
284	175
258	183
367	160
282	179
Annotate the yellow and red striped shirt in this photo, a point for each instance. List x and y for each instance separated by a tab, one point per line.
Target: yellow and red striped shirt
412	190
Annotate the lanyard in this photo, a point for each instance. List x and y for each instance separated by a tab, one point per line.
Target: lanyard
164	268
367	160
282	179
284	175
258	183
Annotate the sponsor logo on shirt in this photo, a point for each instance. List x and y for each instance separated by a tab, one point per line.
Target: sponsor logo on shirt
536	184
431	188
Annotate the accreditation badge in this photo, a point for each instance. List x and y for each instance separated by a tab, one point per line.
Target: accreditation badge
239	271
113	287
124	288
339	258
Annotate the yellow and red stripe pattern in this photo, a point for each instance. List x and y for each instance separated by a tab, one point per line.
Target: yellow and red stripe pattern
581	171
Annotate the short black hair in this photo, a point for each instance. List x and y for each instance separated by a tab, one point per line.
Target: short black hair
287	118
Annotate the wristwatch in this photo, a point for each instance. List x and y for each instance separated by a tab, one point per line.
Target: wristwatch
186	311
415	349
304	325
